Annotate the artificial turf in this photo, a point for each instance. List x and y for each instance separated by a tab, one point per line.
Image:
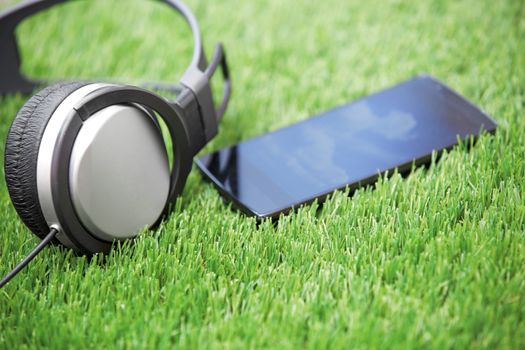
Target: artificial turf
434	260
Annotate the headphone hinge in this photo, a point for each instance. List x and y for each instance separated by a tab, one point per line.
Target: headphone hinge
198	83
186	105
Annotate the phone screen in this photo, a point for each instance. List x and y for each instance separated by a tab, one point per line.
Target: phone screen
350	145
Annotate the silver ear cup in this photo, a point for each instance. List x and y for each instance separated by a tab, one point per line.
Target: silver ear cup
119	174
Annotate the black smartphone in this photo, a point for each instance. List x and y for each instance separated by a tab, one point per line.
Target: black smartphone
349	146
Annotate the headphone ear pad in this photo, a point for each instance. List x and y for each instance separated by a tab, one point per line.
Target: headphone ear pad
21	153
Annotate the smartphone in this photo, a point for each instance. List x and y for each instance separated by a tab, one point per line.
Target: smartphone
349	146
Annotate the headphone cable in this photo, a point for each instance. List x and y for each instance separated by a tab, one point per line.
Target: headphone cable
47	239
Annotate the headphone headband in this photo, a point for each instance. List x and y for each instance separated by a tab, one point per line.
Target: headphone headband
195	80
15	81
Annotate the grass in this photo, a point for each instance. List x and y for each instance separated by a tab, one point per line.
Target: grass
431	261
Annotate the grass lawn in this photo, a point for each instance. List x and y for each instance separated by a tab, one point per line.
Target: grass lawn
435	260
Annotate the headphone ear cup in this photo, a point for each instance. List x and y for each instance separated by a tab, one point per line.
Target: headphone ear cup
21	153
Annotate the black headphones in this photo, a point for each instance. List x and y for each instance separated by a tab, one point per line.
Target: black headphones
85	162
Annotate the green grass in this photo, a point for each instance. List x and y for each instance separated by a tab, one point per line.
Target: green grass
435	260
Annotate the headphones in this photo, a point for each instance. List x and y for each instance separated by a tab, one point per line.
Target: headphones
85	162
